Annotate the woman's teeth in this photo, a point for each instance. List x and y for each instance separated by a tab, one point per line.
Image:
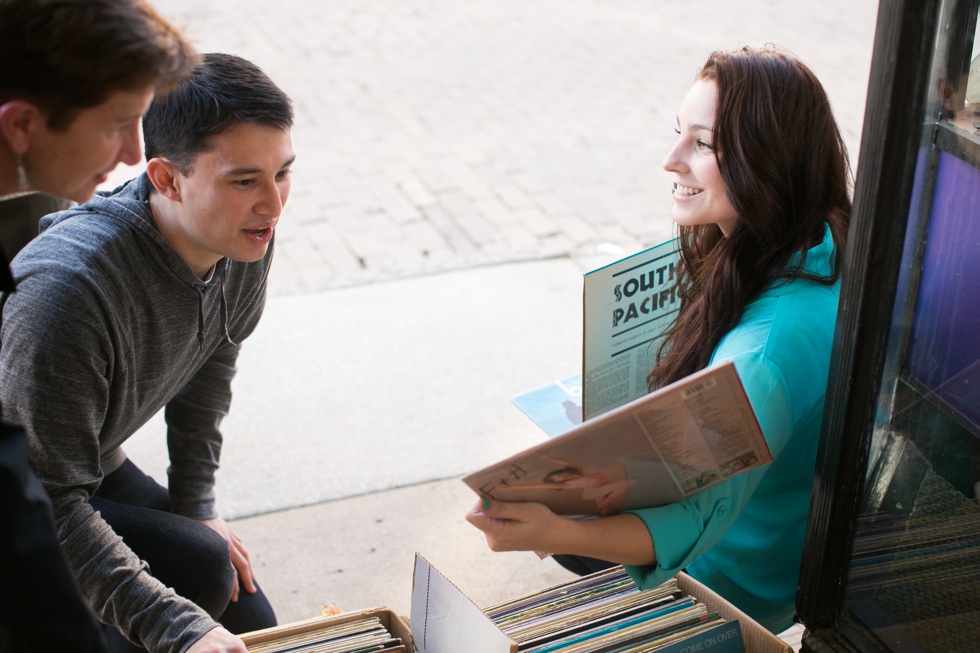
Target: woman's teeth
685	191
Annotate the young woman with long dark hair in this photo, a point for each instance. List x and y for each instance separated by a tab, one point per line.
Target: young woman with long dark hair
762	204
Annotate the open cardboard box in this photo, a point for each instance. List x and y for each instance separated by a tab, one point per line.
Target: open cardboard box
391	621
444	620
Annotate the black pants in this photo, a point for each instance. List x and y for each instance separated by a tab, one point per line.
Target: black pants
582	565
181	553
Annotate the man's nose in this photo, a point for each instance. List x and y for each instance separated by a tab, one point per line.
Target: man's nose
131	152
272	200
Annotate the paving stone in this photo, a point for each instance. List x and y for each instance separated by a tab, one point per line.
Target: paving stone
561	107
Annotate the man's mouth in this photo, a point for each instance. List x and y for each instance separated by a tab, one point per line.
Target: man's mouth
260	234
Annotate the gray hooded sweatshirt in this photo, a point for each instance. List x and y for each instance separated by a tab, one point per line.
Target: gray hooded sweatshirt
107	326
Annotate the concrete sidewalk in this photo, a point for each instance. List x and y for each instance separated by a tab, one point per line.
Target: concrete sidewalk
356	402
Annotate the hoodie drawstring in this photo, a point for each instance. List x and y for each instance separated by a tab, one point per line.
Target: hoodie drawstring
223	311
200	315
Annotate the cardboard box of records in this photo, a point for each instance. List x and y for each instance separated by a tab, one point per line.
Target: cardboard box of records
602	612
377	629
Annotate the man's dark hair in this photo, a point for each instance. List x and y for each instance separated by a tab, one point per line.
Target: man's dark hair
67	55
222	92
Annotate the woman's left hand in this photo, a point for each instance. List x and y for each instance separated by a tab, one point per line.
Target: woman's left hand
517	526
622	538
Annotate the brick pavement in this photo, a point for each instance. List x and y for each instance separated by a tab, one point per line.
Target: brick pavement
444	134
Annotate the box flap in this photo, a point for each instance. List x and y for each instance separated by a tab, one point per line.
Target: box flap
756	638
444	620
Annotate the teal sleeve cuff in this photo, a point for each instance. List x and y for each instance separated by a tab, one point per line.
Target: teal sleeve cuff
682	531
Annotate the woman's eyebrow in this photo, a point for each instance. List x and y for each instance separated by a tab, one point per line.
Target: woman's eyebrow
697	126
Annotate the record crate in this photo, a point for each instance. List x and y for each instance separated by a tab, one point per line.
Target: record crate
284	637
445	620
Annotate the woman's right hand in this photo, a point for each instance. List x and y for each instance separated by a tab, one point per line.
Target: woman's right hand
517	526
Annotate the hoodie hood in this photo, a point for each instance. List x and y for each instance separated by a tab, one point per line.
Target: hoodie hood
129	204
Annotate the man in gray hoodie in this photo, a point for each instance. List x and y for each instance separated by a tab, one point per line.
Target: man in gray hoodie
139	300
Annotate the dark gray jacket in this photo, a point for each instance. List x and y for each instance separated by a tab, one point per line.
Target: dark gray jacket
107	326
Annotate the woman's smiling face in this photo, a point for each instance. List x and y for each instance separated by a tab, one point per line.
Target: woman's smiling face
700	196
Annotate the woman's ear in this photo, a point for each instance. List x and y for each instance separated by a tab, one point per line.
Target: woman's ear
18	120
163	176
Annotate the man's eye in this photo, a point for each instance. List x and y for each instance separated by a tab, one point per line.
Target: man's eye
283	174
244	182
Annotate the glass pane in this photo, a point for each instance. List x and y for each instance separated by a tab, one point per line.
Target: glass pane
973	77
914	578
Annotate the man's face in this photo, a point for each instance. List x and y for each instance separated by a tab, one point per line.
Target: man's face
231	198
73	162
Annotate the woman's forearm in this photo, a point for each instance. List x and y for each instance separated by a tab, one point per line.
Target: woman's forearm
622	539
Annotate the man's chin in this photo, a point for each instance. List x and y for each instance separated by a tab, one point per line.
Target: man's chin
82	195
251	257
86	192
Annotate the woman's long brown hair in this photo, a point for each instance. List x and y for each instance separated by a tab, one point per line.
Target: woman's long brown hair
787	173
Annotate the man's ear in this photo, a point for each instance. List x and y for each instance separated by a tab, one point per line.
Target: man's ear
18	121
163	176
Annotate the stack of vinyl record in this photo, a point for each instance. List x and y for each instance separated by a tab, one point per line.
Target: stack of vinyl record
367	635
602	612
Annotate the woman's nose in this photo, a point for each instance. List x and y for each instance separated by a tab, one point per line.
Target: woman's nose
673	162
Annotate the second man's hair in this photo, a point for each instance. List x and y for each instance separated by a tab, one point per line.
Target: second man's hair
67	55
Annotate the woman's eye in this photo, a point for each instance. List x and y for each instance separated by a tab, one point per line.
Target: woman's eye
703	145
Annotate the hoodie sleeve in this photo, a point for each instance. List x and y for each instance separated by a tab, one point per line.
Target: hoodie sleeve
54	368
194	414
194	436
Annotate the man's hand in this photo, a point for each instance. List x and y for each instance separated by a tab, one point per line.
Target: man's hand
239	556
218	640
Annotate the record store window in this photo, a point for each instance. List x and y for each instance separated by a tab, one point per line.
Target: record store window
914	576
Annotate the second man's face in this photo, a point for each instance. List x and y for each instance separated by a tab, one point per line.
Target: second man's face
74	161
233	196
